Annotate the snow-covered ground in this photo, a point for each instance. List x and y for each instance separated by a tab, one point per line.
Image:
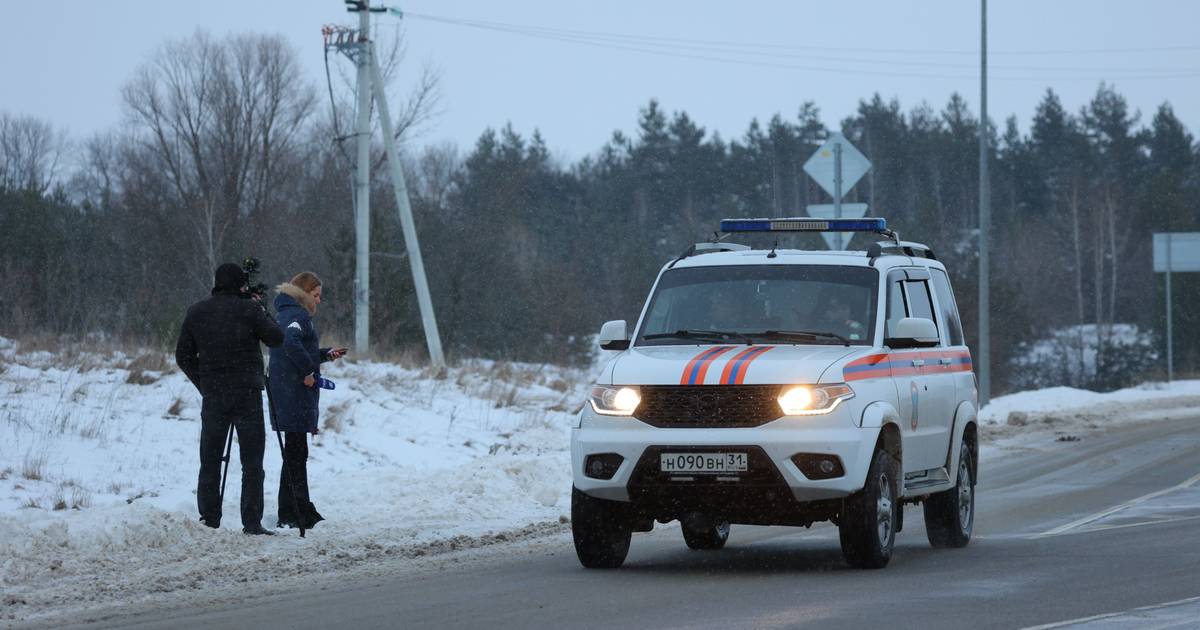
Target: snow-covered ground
98	463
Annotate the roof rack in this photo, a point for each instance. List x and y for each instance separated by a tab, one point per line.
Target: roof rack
899	248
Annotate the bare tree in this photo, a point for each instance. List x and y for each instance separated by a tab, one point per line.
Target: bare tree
432	174
99	170
225	121
31	152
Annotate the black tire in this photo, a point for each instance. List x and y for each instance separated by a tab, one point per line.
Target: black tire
866	526
601	531
704	536
950	515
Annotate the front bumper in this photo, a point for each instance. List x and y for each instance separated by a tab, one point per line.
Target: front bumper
771	473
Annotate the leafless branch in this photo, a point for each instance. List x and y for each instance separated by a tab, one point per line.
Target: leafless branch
31	152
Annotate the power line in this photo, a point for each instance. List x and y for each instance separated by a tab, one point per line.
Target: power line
338	138
719	51
856	49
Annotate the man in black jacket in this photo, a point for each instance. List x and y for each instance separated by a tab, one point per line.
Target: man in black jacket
218	351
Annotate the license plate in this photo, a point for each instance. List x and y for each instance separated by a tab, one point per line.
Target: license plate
703	463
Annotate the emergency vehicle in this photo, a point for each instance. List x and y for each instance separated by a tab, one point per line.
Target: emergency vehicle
782	387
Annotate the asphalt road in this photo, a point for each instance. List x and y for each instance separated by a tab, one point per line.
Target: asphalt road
1105	531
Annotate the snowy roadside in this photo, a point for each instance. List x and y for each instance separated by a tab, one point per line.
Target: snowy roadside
98	465
1037	418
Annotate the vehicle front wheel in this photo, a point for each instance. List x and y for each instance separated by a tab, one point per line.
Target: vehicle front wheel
704	534
601	531
866	525
950	515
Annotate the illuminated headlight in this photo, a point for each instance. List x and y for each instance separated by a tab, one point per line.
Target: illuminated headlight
615	401
812	400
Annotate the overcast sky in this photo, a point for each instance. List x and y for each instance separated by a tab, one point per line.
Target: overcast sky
724	63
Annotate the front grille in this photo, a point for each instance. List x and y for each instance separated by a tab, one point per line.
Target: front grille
708	406
759	496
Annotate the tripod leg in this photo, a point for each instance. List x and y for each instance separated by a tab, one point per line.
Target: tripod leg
228	452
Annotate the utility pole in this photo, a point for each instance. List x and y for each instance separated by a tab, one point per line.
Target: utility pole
362	194
361	50
985	219
1170	332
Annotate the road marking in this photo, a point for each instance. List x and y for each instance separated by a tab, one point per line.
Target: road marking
1062	529
1124	613
1161	521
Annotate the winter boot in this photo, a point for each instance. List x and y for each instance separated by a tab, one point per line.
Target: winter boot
256	530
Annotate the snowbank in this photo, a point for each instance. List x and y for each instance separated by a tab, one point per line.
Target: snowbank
1034	418
98	470
1060	400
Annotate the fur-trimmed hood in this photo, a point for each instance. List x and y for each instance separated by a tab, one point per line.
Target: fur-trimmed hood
300	295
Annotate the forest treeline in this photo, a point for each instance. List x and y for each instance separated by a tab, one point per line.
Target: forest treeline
227	150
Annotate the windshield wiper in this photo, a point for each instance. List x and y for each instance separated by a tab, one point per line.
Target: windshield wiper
691	333
801	334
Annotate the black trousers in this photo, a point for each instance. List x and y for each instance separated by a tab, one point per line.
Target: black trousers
294	474
222	412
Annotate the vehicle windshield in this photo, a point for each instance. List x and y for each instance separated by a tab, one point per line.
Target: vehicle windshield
802	304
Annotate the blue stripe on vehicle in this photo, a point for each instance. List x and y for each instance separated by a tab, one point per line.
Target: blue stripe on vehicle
706	355
741	363
877	366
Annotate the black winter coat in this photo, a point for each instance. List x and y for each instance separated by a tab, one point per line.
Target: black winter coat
218	344
299	356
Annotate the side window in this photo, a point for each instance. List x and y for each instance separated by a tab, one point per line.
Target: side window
919	303
947	306
896	309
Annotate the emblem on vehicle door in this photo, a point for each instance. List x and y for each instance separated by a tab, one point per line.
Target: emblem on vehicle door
915	396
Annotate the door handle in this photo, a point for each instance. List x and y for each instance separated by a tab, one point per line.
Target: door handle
944	361
918	362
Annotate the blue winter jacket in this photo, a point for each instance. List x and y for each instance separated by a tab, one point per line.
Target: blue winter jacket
299	356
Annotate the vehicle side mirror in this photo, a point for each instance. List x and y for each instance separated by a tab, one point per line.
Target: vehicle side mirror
913	332
614	335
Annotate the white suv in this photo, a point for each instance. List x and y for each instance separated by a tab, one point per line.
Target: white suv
782	387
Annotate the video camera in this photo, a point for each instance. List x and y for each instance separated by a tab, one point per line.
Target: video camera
250	266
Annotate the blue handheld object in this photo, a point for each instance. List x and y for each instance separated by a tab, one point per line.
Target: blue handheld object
325	383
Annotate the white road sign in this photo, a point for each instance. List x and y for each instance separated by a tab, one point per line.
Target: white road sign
1185	251
821	165
837	240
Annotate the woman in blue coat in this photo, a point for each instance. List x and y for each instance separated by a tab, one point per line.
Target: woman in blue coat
295	368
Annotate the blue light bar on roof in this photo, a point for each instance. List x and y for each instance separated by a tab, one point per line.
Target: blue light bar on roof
804	224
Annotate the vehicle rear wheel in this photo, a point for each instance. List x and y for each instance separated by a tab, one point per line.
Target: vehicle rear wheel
701	533
867	523
950	515
601	531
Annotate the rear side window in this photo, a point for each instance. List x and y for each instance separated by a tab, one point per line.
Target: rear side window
919	302
947	306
